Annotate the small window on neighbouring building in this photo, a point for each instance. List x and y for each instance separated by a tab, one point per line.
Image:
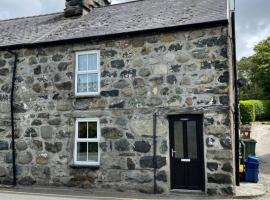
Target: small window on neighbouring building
87	80
86	151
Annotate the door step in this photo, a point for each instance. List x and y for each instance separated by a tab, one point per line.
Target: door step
187	191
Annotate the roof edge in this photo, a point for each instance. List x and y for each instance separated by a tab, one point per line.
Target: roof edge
32	16
123	34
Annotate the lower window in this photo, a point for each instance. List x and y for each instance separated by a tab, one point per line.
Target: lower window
86	151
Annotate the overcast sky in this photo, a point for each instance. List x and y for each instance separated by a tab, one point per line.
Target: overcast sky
253	24
253	18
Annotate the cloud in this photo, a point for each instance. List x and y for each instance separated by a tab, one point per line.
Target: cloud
252	24
22	8
14	8
48	6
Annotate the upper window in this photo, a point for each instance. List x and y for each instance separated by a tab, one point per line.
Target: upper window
87	81
86	151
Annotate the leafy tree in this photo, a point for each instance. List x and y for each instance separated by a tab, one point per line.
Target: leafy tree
256	70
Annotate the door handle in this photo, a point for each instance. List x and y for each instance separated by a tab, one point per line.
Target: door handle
173	152
185	160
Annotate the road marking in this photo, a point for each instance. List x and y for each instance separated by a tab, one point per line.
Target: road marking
66	196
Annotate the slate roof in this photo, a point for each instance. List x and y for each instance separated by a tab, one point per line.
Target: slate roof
110	20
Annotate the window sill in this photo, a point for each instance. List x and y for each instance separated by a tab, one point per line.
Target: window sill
75	166
77	96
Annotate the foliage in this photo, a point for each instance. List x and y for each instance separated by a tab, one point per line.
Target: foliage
247	111
252	110
256	70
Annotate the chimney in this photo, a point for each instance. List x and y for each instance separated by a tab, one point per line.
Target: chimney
82	7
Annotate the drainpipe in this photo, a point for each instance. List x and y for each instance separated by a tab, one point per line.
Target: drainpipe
236	109
12	116
155	151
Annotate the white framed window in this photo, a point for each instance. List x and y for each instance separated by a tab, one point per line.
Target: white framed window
87	76
87	136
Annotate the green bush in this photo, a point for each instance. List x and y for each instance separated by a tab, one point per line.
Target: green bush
266	104
261	110
247	110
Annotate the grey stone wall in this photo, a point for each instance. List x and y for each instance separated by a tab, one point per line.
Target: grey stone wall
170	73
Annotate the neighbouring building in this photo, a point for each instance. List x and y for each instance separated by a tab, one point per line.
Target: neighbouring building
136	96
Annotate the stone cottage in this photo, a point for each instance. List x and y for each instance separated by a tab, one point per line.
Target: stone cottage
133	97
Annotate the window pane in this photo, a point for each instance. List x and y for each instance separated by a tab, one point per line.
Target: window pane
192	139
93	82
82	130
82	63
82	83
81	151
178	139
93	152
92	61
92	129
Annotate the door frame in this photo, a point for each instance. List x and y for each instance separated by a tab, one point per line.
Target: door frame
200	118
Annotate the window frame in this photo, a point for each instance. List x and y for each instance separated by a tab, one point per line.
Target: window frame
77	139
77	72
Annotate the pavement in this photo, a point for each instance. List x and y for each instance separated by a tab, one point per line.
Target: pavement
52	194
250	190
64	194
261	133
28	193
261	190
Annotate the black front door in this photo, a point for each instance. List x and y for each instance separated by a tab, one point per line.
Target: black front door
186	150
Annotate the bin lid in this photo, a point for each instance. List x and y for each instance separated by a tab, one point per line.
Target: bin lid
249	141
251	164
253	159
